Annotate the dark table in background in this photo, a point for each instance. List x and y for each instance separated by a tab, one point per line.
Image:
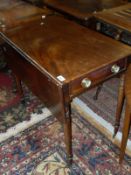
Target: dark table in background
82	10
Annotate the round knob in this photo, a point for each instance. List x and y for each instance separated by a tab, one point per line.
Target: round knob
3	26
115	69
42	23
98	26
118	35
86	83
43	16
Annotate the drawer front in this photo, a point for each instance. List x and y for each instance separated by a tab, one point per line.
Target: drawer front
114	32
106	29
126	37
98	76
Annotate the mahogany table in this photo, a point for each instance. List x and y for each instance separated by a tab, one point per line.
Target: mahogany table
116	22
60	59
82	10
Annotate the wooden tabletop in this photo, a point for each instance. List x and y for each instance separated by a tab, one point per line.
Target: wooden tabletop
82	9
15	13
62	47
120	16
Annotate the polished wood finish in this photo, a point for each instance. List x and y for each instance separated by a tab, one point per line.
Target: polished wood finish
53	58
38	3
120	102
9	4
14	13
65	43
115	22
127	118
18	13
82	9
119	16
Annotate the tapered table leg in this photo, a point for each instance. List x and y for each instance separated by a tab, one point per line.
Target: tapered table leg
120	102
68	135
125	132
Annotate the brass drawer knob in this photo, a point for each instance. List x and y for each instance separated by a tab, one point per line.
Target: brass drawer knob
43	16
98	26
2	23
115	68
118	35
3	26
86	83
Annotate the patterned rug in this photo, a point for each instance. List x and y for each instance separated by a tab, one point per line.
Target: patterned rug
39	149
14	115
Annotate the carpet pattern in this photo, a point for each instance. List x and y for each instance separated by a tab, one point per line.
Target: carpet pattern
10	103
40	150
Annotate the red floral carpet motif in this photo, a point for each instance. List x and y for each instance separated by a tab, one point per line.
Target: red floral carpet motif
12	111
7	97
43	145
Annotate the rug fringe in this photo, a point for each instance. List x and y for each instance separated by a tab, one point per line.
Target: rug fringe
35	118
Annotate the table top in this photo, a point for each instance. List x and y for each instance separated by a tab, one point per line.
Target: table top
120	16
61	47
82	9
15	13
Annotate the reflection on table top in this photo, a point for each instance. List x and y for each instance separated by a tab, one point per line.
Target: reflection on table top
62	47
16	13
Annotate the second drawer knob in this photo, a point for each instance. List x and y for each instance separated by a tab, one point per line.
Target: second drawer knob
115	68
86	83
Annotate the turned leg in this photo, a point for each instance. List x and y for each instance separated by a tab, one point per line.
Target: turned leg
120	102
66	120
98	91
68	135
125	132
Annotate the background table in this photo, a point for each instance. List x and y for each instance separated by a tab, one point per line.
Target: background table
82	10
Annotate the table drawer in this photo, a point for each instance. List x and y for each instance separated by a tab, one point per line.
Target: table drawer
91	79
126	37
114	32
